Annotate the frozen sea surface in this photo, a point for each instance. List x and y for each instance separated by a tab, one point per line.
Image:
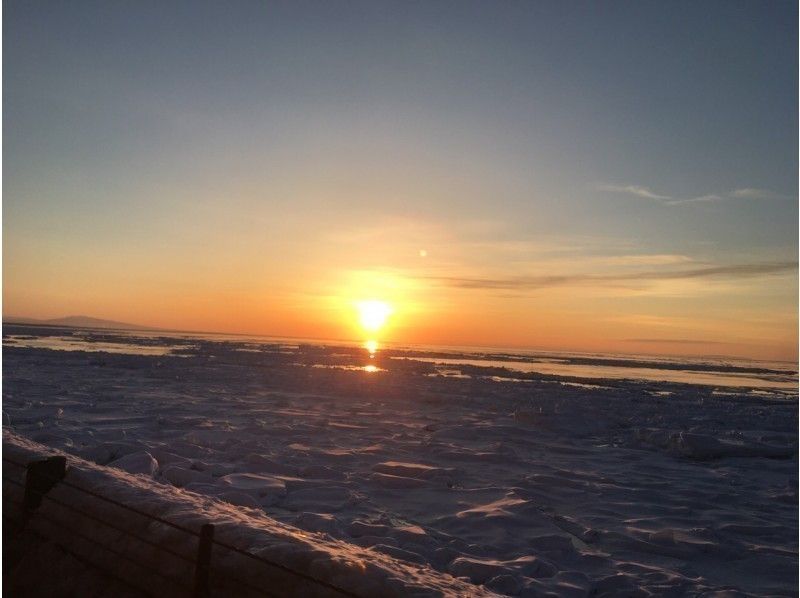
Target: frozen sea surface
527	481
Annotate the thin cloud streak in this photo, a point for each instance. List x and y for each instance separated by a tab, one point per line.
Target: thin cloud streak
657	259
748	193
562	280
636	190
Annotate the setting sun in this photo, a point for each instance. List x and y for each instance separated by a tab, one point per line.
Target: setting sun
373	314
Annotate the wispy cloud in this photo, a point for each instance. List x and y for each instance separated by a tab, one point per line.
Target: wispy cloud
658	259
636	190
747	193
520	283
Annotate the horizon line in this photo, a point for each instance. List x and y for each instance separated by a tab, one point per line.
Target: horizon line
145	328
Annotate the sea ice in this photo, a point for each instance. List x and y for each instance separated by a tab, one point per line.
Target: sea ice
535	488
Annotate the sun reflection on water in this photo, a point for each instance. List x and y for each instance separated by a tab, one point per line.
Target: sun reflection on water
371	346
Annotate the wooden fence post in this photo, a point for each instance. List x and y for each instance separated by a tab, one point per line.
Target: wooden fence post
203	564
40	477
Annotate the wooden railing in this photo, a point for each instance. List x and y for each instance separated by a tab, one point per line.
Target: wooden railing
42	475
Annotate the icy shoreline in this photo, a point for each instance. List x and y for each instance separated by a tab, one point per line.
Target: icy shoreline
636	488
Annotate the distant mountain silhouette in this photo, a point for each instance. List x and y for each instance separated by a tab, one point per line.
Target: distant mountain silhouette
76	322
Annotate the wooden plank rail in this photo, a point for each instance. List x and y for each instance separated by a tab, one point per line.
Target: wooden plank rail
203	563
43	475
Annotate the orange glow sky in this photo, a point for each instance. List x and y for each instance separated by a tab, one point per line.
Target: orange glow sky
478	174
451	296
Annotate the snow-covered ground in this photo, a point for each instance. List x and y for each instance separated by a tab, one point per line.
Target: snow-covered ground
275	558
522	481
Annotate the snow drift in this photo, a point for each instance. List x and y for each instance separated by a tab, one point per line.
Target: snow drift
72	519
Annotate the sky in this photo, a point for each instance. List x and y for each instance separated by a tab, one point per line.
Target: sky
617	176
